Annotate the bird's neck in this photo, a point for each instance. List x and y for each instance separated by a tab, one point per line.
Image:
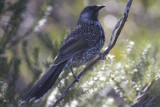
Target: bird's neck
87	21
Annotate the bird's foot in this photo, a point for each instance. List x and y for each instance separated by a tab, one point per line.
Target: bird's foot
74	75
76	78
102	56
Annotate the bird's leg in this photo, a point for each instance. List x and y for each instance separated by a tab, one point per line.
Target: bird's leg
102	56
74	75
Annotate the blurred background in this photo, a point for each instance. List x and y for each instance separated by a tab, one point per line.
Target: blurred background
31	32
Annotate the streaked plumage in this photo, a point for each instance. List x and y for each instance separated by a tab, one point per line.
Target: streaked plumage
80	46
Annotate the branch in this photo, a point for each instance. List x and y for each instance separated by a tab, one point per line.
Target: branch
149	95
119	26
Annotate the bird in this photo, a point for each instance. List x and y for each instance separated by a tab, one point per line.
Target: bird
79	47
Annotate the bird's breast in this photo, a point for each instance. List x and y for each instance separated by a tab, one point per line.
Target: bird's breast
95	40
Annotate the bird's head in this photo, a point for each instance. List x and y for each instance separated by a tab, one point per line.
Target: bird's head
91	12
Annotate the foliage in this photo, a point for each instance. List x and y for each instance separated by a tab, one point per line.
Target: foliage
27	51
127	76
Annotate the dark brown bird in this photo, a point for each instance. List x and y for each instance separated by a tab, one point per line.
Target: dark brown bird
80	46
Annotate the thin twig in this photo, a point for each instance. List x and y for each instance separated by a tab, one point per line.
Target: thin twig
119	26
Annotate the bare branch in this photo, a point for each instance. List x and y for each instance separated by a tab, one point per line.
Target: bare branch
119	26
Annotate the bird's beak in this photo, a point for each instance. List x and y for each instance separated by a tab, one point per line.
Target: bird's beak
100	6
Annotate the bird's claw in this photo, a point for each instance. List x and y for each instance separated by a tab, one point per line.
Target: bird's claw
74	75
76	78
102	56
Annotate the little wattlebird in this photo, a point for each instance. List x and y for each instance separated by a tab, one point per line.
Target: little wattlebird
79	47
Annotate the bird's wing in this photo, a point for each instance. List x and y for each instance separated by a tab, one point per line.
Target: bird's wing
70	48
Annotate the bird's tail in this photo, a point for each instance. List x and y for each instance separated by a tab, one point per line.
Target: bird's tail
45	83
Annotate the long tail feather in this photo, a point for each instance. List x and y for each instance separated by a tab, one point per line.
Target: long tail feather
45	83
